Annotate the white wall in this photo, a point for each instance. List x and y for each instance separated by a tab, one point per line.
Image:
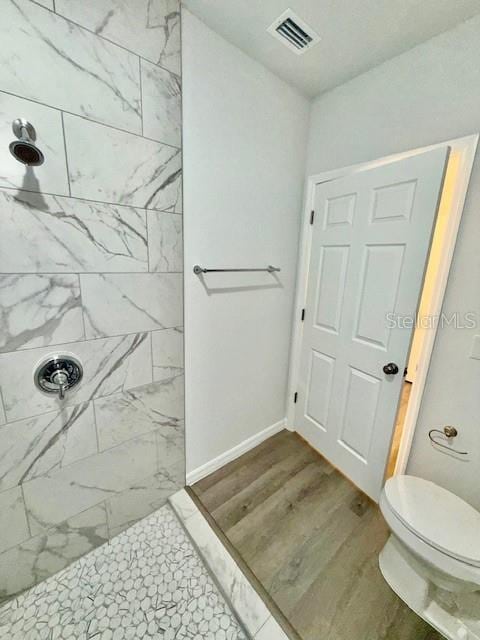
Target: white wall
245	135
429	94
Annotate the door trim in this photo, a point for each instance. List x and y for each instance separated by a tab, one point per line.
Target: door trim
464	148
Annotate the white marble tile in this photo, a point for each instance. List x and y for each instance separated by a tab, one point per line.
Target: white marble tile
161	104
171	455
109	366
147	495
165	241
3	417
38	310
62	494
114	304
91	77
167	353
51	176
150	28
147	582
126	170
178	207
271	630
13	521
123	416
45	3
183	505
52	234
43	555
245	601
37	446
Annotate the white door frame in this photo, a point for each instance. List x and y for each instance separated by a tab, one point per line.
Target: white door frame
465	149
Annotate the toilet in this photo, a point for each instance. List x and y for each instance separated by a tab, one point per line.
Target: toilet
432	558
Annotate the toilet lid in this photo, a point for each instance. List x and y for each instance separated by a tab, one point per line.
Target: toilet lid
437	516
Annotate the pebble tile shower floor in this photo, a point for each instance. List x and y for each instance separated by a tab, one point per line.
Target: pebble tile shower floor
147	582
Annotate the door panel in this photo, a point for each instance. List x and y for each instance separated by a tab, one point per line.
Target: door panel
340	210
382	266
370	242
394	202
360	410
331	287
320	384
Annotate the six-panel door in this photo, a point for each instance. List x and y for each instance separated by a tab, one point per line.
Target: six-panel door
370	244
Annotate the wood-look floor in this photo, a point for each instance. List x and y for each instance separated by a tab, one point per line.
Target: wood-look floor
295	521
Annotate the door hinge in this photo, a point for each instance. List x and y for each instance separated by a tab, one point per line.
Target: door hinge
303	315
295	396
312	216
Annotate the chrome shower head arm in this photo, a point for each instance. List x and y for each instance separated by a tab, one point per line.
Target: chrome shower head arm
24	130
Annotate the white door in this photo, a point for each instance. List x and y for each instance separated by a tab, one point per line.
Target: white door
370	242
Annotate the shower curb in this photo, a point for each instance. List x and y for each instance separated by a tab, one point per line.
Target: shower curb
248	606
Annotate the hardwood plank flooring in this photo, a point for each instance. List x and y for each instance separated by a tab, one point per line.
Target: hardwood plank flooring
288	513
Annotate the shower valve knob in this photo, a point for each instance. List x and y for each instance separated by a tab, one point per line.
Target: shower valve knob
58	374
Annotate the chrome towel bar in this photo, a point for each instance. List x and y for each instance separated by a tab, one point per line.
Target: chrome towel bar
198	269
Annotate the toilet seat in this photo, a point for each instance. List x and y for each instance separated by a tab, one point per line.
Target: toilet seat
438	517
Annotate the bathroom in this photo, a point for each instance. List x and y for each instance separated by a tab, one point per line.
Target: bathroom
231	404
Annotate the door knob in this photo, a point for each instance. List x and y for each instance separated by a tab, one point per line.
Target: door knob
390	369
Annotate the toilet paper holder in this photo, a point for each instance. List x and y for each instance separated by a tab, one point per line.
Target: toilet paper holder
447	432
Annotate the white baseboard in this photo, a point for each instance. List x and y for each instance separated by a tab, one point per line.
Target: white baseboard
224	458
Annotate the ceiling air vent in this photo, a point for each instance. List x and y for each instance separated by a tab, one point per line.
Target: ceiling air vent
293	32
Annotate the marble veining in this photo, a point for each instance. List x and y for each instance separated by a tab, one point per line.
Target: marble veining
43	555
161	104
271	630
109	366
147	582
37	310
92	78
150	28
246	602
127	507
55	497
45	3
244	599
165	241
82	272
13	520
74	235
167	353
183	505
148	176
37	446
120	303
51	176
123	416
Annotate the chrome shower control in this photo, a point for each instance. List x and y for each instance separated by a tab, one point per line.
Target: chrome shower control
58	374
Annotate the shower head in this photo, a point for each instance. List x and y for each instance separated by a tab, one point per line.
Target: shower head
24	149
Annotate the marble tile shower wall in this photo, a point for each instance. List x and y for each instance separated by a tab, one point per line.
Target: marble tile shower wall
91	264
